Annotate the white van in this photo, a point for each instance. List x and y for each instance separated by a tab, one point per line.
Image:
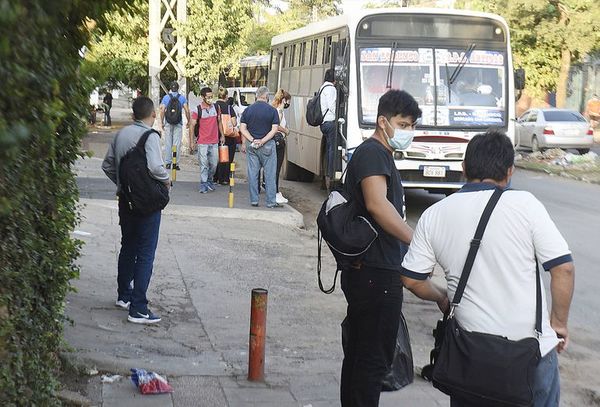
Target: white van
242	98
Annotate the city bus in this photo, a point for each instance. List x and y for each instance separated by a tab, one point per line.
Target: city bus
457	64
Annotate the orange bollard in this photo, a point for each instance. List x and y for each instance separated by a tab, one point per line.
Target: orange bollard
258	332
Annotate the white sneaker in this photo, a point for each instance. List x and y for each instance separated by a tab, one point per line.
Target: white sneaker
122	304
280	199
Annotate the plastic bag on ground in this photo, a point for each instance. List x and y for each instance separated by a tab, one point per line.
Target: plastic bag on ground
150	382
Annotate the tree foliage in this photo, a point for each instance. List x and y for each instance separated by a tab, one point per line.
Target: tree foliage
119	55
298	14
547	36
42	119
217	32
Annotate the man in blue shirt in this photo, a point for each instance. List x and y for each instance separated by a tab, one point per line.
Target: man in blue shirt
171	119
259	123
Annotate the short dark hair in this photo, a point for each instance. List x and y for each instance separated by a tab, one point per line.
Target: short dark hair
489	155
174	86
205	90
329	75
398	102
143	107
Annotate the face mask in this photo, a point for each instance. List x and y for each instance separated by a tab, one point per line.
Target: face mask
286	105
401	139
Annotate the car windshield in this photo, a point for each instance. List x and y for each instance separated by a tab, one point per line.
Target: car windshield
476	97
563	116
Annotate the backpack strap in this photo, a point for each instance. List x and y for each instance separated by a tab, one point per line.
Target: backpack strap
141	144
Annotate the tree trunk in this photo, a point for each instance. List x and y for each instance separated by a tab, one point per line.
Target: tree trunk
563	78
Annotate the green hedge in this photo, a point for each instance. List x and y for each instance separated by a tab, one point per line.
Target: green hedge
42	120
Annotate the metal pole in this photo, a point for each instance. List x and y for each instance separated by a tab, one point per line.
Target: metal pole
231	182
174	164
154	51
258	331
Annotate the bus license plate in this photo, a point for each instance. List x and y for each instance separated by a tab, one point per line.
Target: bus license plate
438	172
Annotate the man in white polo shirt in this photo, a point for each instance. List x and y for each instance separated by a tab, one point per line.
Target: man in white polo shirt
500	294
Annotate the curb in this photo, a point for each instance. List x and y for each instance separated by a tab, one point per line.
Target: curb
286	216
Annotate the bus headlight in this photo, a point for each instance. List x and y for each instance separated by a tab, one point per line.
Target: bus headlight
398	155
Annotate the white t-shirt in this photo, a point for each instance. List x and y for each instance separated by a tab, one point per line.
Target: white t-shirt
500	294
328	99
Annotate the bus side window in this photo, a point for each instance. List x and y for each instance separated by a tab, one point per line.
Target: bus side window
292	55
327	50
285	52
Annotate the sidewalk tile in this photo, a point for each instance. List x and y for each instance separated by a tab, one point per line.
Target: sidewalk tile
124	394
197	391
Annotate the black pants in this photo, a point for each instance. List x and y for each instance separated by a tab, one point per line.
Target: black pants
280	149
374	299
222	173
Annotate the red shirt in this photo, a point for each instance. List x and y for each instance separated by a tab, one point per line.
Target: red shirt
208	125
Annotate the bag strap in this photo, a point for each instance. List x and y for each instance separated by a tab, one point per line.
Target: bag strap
475	243
319	244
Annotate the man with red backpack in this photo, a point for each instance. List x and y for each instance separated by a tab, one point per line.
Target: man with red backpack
171	108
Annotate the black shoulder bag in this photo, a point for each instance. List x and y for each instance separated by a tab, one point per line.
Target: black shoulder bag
484	369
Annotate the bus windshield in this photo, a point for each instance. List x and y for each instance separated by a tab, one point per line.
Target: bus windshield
475	98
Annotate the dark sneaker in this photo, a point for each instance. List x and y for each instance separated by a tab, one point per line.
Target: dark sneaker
122	304
210	186
203	189
168	166
138	318
276	205
177	167
255	204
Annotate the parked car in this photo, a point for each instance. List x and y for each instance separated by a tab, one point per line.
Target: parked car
554	128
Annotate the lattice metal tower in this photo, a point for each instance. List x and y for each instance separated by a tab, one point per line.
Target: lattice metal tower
165	48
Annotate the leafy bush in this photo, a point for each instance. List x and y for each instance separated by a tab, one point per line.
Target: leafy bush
42	119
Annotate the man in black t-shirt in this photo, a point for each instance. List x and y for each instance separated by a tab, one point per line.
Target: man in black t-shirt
373	287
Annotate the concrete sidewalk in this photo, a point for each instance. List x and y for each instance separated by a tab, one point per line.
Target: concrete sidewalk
208	259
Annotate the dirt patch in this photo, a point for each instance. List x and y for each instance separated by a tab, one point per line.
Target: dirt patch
584	167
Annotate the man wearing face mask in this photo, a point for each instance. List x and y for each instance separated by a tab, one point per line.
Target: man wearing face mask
373	286
209	129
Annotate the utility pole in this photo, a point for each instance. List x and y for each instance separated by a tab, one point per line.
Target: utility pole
165	48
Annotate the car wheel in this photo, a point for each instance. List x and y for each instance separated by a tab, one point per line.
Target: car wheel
535	145
583	151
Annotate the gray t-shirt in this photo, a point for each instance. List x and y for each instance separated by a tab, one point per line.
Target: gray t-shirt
124	141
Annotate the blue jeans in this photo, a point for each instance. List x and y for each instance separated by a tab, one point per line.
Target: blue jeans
139	238
546	390
264	157
172	138
328	130
208	158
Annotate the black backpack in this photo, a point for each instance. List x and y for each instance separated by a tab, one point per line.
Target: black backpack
314	116
142	193
346	231
173	110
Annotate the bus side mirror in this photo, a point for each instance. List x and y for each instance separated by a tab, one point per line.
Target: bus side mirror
520	78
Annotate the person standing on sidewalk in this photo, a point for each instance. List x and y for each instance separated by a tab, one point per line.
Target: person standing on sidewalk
231	131
259	123
328	107
172	107
281	102
372	287
107	105
209	129
139	234
499	297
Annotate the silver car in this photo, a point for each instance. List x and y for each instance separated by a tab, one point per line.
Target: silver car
554	128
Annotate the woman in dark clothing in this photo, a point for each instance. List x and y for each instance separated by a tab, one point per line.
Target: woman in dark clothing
227	114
